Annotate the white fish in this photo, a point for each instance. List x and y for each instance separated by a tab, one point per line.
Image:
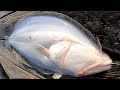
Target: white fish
59	44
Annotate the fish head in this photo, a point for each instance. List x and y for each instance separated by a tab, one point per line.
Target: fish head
81	60
97	62
97	66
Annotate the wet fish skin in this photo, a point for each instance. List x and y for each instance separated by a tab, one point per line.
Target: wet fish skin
54	31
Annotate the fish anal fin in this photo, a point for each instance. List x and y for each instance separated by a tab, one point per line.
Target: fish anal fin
57	76
44	50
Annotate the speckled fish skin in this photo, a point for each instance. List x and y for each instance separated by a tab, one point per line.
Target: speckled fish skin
58	33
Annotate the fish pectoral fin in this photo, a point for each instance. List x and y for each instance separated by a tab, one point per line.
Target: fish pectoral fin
64	53
44	50
57	76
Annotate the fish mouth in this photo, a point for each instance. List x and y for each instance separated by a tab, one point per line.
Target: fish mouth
91	69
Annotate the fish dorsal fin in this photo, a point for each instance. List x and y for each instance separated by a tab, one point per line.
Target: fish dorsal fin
83	30
44	50
28	21
99	44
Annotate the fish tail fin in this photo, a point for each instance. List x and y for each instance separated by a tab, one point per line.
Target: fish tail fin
5	41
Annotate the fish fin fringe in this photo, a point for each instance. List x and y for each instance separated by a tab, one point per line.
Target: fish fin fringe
99	44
